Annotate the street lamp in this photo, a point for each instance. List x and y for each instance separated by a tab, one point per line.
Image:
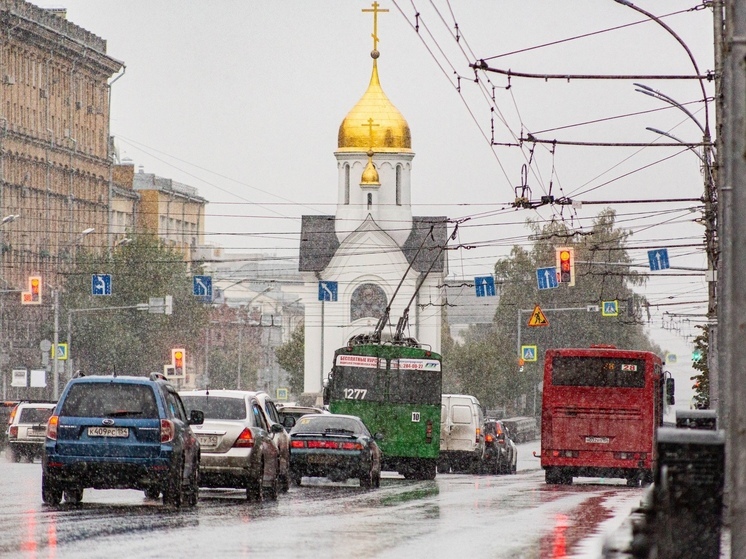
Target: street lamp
56	302
9	218
240	333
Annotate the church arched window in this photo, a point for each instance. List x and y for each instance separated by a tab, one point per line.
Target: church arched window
398	185
370	200
368	300
347	185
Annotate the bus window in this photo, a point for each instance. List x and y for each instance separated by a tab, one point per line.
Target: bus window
358	383
598	371
414	386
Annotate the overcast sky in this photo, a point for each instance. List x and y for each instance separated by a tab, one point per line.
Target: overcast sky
243	100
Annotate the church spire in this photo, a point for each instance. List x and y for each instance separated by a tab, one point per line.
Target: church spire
392	134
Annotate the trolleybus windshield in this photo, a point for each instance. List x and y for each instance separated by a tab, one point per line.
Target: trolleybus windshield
359	377
415	381
598	371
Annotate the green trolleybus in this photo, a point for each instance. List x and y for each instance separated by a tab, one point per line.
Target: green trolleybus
395	388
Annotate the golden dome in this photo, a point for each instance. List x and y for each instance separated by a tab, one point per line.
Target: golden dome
374	123
370	174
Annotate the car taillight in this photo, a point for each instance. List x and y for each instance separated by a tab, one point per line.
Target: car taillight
13	432
52	427
297	444
245	439
488	438
12	415
351	446
167	430
479	431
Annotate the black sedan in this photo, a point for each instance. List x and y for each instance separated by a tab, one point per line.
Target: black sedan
338	447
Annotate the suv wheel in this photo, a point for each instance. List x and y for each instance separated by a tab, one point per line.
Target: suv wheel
73	495
193	488
173	492
51	494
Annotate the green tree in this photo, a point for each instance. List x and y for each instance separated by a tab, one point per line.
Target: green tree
487	363
702	380
127	340
291	357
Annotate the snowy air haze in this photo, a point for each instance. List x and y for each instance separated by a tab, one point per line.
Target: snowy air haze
243	100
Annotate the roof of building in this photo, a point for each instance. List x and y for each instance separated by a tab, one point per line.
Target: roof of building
319	243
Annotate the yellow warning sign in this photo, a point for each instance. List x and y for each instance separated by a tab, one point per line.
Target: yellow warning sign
538	318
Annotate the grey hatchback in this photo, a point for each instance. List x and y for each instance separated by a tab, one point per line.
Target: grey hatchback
239	444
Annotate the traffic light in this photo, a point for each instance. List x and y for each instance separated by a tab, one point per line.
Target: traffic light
566	265
178	358
33	295
696	356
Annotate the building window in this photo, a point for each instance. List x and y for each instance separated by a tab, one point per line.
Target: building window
347	185
370	200
398	185
368	300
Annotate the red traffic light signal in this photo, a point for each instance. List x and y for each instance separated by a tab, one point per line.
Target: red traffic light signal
178	358
566	265
33	295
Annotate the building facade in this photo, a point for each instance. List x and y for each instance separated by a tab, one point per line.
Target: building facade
147	203
54	139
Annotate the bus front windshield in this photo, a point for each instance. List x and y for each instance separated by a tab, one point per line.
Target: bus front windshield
611	372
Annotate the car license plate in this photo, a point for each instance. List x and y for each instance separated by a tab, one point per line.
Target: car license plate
320	459
208	440
108	432
597	440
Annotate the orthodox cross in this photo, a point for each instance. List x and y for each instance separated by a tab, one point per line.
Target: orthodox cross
375	11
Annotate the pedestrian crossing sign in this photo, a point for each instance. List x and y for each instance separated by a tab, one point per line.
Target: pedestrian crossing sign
529	352
538	318
610	308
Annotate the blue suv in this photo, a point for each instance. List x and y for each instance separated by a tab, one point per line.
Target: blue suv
121	432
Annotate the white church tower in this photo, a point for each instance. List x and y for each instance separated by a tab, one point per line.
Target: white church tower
354	261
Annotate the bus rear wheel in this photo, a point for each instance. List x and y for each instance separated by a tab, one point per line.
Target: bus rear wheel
555	476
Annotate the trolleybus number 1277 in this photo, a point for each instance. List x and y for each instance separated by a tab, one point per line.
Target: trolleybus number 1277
355	393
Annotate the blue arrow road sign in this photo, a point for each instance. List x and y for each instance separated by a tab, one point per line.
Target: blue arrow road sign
101	284
658	259
327	291
485	286
547	278
202	286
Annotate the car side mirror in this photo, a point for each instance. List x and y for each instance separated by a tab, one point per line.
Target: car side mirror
196	417
277	428
378	436
289	422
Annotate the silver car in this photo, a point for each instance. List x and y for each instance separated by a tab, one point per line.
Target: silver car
238	442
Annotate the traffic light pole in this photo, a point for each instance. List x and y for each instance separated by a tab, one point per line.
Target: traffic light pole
55	361
520	320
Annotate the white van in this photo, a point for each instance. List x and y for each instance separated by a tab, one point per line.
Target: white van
461	437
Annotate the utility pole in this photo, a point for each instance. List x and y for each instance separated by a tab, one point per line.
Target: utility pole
732	357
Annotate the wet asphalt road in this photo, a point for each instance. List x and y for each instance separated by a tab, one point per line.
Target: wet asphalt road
455	516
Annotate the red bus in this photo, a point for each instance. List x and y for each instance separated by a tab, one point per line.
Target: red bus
600	411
